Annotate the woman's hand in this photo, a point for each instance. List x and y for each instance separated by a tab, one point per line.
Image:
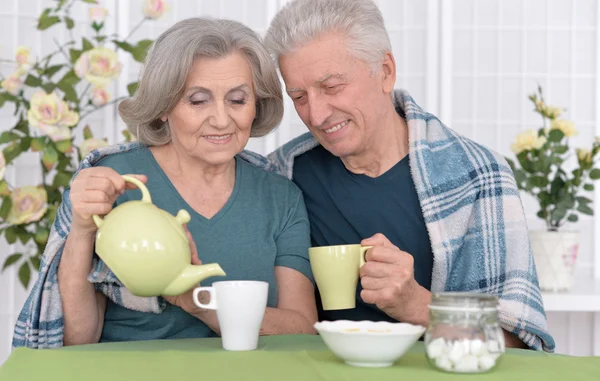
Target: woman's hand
94	191
185	301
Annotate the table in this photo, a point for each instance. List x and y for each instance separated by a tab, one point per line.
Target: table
280	358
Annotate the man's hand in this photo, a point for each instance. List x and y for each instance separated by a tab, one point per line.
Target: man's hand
388	281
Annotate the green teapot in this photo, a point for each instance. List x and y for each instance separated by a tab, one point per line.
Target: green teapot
147	248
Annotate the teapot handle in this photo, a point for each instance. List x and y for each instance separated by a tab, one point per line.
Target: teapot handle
145	196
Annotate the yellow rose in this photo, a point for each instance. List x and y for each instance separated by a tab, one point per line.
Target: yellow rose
584	155
13	84
598	139
2	165
100	96
540	106
29	204
153	9
91	144
98	14
566	126
99	66
526	141
51	115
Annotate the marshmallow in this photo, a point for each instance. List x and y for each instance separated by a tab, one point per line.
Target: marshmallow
457	352
493	346
436	348
469	363
477	347
486	362
444	363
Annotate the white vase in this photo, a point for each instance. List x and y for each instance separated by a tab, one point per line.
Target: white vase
555	254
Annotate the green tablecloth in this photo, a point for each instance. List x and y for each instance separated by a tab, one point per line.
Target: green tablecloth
280	358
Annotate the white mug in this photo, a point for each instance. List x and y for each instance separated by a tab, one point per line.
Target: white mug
240	309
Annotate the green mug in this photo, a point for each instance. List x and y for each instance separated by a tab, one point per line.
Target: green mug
335	269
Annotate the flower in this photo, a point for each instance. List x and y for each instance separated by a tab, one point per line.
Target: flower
566	126
98	14
99	66
153	9
100	96
91	144
13	84
552	112
23	57
51	115
526	141
584	155
29	204
2	165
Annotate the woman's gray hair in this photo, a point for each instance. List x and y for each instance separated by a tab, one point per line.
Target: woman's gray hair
301	21
169	61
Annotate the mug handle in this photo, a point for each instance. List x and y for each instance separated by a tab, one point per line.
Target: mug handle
363	251
130	179
212	305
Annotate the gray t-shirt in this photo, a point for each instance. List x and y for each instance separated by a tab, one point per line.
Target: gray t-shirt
263	224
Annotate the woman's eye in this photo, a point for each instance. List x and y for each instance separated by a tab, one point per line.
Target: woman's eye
238	101
197	103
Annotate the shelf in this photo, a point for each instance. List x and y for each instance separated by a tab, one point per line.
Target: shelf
584	297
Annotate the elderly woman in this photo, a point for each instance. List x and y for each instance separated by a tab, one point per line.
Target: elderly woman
206	88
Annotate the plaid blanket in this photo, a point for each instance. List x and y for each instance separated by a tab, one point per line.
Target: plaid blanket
471	207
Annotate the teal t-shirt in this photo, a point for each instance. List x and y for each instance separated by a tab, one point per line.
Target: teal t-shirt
263	224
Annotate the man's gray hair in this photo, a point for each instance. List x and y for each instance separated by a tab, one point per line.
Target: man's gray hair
301	21
169	61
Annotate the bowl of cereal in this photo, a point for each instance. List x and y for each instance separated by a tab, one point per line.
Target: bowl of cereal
368	343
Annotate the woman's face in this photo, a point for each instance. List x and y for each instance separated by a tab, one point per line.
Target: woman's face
212	120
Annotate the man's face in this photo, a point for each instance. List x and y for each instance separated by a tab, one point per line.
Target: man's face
337	96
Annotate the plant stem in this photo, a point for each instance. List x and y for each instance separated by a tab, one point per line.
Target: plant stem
134	29
104	105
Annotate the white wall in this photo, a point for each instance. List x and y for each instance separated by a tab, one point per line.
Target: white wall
471	62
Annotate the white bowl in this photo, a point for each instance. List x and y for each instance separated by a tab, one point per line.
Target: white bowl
368	343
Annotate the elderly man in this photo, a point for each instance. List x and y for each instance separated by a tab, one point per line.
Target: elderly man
442	212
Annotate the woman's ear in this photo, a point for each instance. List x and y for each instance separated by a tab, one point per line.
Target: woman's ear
164	118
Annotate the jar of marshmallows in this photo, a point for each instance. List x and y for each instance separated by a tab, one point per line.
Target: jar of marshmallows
464	335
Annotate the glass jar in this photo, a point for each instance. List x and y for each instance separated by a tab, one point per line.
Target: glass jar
464	335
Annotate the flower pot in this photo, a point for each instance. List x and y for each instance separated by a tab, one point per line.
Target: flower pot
555	254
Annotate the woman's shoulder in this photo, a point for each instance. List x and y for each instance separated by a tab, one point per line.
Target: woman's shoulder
267	180
120	157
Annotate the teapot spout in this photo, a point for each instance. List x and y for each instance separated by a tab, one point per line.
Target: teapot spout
191	276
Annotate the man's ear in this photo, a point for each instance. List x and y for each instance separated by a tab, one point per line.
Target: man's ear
388	70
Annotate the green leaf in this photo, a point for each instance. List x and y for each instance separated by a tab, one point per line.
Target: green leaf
2	99
11	260
52	70
10	235
588	187
87	133
561	149
573	218
86	44
125	46
70	94
25	274
4	190
6	207
35	263
48	87
23	126
595	174
46	22
23	235
538	181
542	214
90	1
585	209
64	146
37	144
520	177
61	179
70	23
556	186
12	152
50	157
9	136
75	54
558	214
583	200
132	88
556	136
97	27
70	78
139	52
